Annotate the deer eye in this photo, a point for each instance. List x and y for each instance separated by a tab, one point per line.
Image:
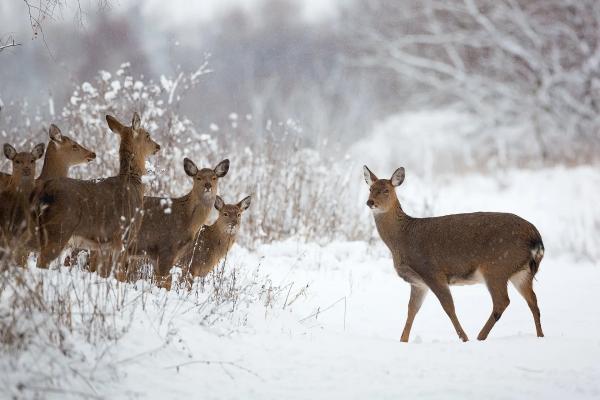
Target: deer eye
214	178
17	162
226	214
386	191
75	147
239	215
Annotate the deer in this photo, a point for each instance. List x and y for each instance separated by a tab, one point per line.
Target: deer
214	241
461	249
14	199
100	214
184	216
62	153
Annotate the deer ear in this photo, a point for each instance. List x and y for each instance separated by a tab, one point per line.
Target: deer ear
244	204
397	177
189	167
222	168
9	151
38	151
55	134
114	124
219	203
370	177
135	121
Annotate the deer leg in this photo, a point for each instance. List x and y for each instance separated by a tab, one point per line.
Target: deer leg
92	261
442	292
417	295
523	282
49	253
499	292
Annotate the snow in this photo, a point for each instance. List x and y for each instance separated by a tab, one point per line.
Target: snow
324	321
288	356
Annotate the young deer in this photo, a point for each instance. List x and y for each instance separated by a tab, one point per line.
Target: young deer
98	214
62	154
14	199
433	253
186	216
214	241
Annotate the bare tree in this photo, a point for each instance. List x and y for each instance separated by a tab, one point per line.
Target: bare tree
506	60
42	12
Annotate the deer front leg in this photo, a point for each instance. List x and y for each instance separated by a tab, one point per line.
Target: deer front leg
442	291
417	295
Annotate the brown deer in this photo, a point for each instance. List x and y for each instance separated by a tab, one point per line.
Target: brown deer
100	214
214	241
433	253
170	224
62	154
14	199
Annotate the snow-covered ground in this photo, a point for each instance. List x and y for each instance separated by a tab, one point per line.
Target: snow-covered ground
350	349
324	322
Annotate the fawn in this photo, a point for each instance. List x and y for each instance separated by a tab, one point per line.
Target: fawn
433	253
214	241
14	199
170	224
100	214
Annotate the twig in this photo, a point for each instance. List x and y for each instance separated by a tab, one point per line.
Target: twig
10	42
216	362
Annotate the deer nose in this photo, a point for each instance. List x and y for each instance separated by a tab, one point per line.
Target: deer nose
207	186
92	156
370	203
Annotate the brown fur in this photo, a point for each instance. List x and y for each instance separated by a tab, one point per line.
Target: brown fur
186	217
62	153
433	253
4	180
99	214
214	241
14	199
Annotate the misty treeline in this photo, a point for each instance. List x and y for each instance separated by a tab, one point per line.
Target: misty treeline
511	63
284	98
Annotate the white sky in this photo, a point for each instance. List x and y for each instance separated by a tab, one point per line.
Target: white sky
167	14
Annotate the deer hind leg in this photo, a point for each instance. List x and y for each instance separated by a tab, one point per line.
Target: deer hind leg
417	295
498	289
56	239
163	269
442	291
523	282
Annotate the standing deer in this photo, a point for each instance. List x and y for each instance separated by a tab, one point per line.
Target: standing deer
100	214
433	253
214	241
14	199
170	224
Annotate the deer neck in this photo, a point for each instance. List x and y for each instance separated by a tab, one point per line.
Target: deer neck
197	207
21	186
392	225
54	166
220	238
131	166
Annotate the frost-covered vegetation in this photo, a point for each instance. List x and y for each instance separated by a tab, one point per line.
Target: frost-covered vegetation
489	105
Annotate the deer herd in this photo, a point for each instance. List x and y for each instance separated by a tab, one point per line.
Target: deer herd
114	220
111	217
